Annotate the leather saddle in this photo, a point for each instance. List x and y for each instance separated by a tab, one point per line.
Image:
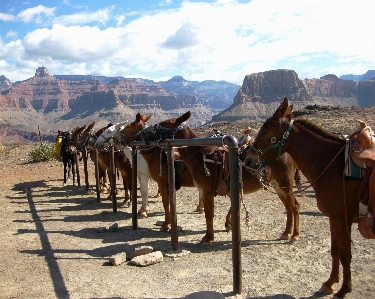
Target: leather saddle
363	147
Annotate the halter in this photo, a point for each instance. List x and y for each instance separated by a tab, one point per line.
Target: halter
125	137
273	144
81	143
160	133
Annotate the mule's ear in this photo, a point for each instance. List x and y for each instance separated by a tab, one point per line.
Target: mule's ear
146	118
183	117
288	112
282	110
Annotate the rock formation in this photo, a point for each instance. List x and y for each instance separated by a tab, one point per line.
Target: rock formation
261	94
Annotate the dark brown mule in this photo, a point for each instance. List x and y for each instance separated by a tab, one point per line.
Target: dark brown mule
86	141
314	150
158	169
281	176
121	161
68	152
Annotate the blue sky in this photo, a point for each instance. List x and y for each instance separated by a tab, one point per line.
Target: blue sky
199	40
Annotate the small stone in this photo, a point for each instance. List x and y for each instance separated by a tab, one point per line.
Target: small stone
114	227
118	259
148	259
177	253
141	251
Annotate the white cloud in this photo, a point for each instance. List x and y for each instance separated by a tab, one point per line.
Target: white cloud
226	39
6	17
35	13
11	34
100	16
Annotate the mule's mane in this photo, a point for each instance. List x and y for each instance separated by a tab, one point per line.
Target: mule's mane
318	130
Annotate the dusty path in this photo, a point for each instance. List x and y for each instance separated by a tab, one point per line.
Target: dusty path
50	247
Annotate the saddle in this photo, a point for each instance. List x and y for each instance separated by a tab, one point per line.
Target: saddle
219	157
362	153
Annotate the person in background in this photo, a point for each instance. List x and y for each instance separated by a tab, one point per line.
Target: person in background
245	138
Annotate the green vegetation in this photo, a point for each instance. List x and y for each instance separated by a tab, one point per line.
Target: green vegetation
43	152
3	150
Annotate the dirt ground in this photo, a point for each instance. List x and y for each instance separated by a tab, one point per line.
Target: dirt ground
50	247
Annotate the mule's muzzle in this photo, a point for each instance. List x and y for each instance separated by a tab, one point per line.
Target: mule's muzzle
252	164
149	135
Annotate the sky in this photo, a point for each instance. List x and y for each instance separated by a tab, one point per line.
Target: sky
197	39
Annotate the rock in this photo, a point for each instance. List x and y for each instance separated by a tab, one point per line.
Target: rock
177	253
118	259
148	259
114	227
142	250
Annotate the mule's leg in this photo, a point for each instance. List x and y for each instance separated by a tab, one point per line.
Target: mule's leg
143	183
200	206
209	214
292	214
74	172
328	286
69	169
167	214
65	172
343	251
228	220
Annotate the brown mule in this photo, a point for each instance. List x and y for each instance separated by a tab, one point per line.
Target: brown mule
282	175
319	155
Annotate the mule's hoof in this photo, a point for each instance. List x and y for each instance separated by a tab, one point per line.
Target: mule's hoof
75	184
64	184
326	290
228	227
142	215
293	241
205	244
284	237
165	228
199	210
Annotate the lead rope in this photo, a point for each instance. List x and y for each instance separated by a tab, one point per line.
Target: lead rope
247	213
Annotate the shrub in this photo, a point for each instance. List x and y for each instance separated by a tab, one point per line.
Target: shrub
43	152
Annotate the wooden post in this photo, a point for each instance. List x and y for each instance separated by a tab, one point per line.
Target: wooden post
134	187
172	197
77	168
97	175
113	178
85	169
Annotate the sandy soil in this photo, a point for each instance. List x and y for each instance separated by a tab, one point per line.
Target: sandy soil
50	247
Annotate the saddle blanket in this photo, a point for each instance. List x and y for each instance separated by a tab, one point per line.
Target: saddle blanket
351	169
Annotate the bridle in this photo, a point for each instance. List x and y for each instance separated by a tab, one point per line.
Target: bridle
126	138
159	133
260	152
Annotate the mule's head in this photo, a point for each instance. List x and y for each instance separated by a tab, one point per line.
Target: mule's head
105	139
268	145
83	139
132	131
167	129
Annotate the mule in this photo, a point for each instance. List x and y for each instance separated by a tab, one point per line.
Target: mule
320	156
68	153
193	158
281	176
143	172
122	163
157	166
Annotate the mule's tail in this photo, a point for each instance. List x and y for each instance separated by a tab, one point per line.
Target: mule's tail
298	180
